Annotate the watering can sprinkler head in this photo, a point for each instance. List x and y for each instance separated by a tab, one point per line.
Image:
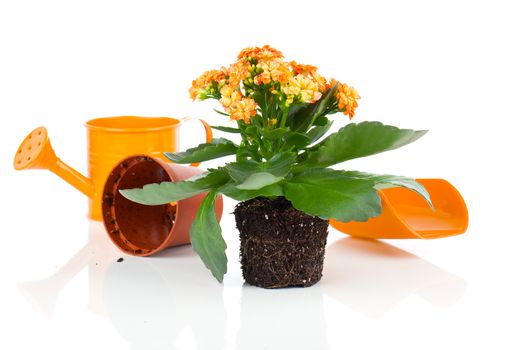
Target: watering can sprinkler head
35	152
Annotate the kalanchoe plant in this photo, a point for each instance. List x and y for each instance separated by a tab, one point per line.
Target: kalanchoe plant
282	111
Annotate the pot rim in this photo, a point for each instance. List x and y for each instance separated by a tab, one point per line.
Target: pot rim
121	244
131	124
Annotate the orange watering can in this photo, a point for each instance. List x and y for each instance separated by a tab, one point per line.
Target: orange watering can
109	141
407	215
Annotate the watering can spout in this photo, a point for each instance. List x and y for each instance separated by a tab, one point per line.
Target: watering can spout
35	152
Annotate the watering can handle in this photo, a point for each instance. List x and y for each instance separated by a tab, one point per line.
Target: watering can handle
207	129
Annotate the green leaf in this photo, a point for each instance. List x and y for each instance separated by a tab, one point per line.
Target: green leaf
250	130
221	113
325	101
206	238
278	165
274	134
260	99
317	132
321	121
205	151
298	115
256	181
388	181
167	192
226	129
248	151
357	140
301	116
296	141
328	193
232	191
241	169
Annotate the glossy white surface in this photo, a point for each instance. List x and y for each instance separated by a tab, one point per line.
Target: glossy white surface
69	290
453	67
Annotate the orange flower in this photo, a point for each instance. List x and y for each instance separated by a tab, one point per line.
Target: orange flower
311	72
347	98
302	87
319	80
243	109
302	68
195	90
200	85
237	72
259	53
268	53
229	96
275	70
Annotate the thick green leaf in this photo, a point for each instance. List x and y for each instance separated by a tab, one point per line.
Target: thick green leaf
278	165
167	192
388	181
325	101
250	130
296	140
241	169
321	121
357	140
274	134
226	129
259	180
232	191
206	238
248	151
205	151
328	193
301	116
317	132
260	99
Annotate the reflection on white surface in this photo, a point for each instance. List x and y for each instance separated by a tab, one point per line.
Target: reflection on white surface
149	300
43	294
291	318
96	254
372	277
152	301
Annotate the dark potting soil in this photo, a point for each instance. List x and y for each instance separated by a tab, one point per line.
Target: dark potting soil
280	245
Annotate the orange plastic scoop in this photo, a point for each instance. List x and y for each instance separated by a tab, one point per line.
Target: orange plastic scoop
407	215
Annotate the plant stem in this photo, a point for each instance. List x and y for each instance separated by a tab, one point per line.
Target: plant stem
242	134
312	122
283	118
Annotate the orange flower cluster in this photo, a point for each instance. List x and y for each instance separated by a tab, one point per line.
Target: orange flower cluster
243	109
198	86
264	53
347	98
263	68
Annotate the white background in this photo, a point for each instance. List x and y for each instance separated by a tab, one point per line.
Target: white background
453	67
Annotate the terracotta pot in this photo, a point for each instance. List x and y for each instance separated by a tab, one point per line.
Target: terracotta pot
141	229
